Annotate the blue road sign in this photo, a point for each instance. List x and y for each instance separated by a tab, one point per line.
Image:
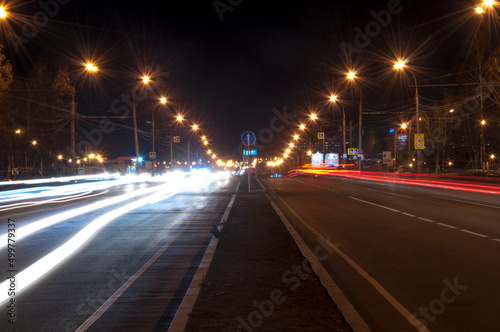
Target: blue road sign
81	170
248	138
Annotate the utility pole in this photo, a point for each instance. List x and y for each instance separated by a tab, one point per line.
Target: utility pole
417	112
360	143
136	138
171	148
343	134
73	140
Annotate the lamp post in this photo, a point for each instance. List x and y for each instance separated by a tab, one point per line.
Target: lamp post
179	119
481	147
90	68
145	81
195	129
401	64
163	101
334	99
351	76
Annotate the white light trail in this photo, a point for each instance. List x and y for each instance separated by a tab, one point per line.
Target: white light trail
54	219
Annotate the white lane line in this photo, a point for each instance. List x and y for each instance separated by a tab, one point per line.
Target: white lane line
498	240
182	315
398	306
105	306
473	233
425	219
382	206
446	225
469	202
409	215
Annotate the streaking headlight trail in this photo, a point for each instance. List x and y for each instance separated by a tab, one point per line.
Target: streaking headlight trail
40	268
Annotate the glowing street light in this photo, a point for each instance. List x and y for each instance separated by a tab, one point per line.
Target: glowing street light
314	117
295	137
302	127
145	79
34	142
91	67
292	145
195	127
351	75
3	12
399	64
333	98
163	100
18	131
179	118
404	125
483	122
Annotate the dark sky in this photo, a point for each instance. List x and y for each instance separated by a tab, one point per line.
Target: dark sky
228	75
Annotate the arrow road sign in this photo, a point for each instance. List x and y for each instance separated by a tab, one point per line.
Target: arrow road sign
248	138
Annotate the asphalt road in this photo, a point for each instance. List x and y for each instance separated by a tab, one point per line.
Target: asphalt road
122	260
407	257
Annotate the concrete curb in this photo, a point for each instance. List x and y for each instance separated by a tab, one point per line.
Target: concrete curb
182	315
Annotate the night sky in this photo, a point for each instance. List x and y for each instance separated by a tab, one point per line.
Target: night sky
228	75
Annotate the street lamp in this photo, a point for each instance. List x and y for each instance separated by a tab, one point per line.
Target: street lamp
163	101
195	128
351	76
400	65
179	119
333	99
145	81
3	12
483	123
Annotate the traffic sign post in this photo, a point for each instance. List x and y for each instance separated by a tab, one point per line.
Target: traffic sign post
419	141
248	139
152	155
352	151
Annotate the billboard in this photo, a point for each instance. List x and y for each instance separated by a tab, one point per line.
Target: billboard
332	159
317	159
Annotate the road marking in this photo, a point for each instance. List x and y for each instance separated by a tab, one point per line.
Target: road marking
181	317
382	206
473	233
446	225
409	215
459	200
425	219
398	306
498	240
105	306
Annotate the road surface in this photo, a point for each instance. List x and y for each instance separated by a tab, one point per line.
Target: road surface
409	257
104	255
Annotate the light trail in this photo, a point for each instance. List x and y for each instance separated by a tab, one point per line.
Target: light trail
43	266
38	225
62	179
402	179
